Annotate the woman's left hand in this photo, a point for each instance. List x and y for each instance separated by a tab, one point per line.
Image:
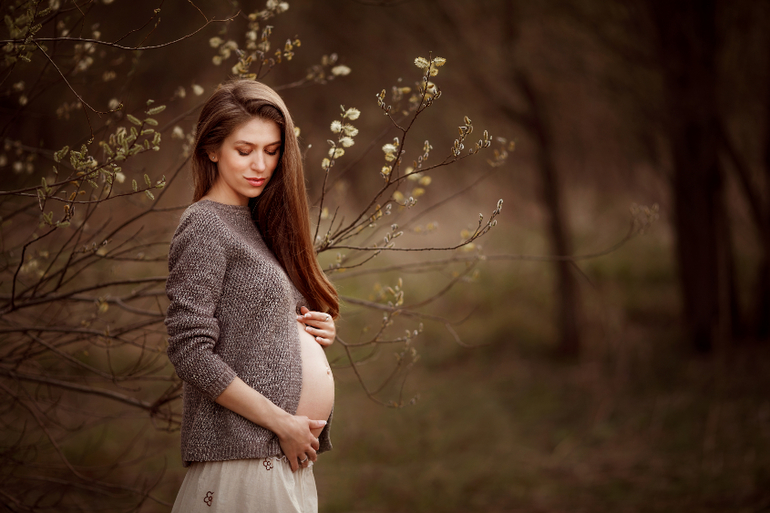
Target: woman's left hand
318	324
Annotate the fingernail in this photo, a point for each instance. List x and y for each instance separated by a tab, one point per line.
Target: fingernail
307	315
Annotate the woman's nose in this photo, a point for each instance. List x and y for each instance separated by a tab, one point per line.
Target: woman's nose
259	161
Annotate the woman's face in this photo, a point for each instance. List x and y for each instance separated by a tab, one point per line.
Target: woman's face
246	161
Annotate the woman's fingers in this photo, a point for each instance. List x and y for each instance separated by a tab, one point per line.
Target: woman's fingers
312	454
323	337
316	424
318	332
317	319
304	459
319	324
298	444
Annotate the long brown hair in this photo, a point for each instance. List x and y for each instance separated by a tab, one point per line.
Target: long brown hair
281	211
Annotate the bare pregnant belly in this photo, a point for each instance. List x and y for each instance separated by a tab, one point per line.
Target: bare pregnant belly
317	396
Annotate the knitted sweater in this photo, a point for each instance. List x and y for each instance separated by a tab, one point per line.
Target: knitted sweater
231	313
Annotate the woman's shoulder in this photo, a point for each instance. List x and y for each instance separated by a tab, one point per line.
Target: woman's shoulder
211	224
210	216
202	211
201	226
197	219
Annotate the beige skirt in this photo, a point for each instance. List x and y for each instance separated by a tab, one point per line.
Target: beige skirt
247	486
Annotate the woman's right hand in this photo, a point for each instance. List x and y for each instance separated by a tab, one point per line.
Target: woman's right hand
294	435
297	442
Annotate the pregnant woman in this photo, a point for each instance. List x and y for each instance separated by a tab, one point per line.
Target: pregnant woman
249	315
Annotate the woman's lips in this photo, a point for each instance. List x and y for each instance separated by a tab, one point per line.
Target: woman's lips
256	182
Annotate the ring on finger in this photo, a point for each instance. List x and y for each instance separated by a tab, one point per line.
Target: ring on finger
328	317
303	461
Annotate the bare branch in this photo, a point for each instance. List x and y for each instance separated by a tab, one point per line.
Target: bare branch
57	297
36	40
109	394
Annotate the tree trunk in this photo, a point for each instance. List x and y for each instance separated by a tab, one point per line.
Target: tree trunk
762	301
550	189
687	47
536	121
533	118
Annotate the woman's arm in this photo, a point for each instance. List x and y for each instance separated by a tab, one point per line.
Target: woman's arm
320	325
297	442
197	262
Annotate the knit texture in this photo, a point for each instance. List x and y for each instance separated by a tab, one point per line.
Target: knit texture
231	313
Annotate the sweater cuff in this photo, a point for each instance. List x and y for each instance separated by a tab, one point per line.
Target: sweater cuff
219	385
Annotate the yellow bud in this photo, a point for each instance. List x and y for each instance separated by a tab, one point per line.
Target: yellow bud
340	70
352	114
421	62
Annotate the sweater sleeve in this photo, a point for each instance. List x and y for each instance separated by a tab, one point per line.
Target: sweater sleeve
197	263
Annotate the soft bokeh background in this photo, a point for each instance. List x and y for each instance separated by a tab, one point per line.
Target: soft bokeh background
635	380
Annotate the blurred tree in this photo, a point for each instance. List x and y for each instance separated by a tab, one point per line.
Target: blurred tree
518	97
686	44
762	301
670	71
535	119
745	135
676	48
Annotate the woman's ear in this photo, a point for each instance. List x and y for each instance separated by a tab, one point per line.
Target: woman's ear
213	156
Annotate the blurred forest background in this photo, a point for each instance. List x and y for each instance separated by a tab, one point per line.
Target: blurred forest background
577	357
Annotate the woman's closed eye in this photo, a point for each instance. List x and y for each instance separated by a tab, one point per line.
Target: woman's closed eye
245	153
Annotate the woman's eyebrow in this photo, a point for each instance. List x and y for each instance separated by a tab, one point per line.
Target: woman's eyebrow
252	144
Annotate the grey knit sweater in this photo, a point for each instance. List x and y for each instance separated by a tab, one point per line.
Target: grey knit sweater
232	313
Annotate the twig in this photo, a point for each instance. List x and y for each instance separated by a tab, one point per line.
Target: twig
109	394
118	46
48	299
80	98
